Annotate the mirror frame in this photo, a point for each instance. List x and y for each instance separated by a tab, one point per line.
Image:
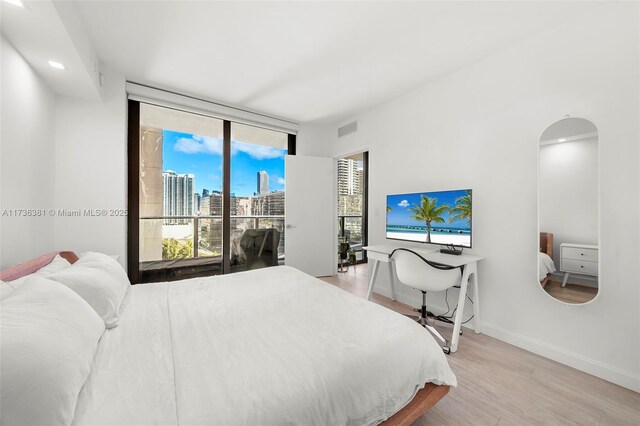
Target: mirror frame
547	295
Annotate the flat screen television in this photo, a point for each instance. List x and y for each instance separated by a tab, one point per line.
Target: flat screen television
439	217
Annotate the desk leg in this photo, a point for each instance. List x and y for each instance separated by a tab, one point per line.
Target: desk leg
372	281
473	271
457	323
392	278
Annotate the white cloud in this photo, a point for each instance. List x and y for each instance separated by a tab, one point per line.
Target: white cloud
199	145
259	152
278	179
206	145
403	203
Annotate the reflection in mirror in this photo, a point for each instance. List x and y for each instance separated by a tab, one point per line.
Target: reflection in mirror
568	210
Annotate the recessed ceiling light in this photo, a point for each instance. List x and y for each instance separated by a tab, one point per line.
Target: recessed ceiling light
56	65
15	3
562	140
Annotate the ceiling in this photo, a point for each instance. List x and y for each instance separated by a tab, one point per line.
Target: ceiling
310	62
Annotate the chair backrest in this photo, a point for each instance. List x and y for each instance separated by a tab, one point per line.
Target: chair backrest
415	271
252	239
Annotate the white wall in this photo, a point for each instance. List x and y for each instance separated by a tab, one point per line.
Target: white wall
479	128
91	170
26	159
315	141
568	203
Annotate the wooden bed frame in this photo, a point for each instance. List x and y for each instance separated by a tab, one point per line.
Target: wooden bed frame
546	246
424	399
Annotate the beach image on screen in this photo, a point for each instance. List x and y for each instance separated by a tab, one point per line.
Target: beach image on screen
442	217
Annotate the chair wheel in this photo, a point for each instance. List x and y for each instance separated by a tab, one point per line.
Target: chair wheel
460	332
446	350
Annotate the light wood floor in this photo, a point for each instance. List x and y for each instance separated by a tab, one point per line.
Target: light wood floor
499	384
571	293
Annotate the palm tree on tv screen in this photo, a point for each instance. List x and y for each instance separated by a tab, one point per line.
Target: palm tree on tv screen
429	211
389	209
462	209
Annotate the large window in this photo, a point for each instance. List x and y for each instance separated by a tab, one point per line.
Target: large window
210	195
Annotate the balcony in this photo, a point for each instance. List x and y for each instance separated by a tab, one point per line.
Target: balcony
174	247
350	228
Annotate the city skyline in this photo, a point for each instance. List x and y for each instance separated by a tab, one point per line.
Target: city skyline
185	153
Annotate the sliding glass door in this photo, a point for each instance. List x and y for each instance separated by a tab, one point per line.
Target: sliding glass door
257	197
206	195
352	206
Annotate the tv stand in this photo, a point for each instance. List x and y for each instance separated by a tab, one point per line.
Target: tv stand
451	251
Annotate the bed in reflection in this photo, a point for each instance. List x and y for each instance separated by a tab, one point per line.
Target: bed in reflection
545	258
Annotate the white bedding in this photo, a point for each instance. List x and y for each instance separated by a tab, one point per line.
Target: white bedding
545	265
273	346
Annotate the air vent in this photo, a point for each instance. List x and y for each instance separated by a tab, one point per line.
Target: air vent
349	128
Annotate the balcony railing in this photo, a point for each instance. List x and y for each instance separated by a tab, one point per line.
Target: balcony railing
204	233
350	228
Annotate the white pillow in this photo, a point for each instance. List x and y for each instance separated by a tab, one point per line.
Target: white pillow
5	290
101	281
49	336
58	263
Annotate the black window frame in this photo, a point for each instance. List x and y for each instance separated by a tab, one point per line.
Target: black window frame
133	192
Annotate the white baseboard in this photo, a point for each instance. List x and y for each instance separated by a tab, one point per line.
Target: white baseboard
606	372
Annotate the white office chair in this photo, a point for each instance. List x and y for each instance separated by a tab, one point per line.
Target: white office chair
415	271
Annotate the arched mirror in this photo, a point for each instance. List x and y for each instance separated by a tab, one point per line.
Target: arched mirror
568	211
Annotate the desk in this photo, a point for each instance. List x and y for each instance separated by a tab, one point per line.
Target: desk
468	262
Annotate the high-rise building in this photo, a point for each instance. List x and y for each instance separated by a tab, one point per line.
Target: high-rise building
196	203
262	182
215	203
205	192
212	203
205	205
268	204
244	206
177	195
349	177
359	180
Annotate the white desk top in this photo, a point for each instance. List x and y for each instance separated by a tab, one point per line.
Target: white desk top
432	254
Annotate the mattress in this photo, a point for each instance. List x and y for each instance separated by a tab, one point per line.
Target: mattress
273	346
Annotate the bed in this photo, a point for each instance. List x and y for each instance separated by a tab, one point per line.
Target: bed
272	346
545	258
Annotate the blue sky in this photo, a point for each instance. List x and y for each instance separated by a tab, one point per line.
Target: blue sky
202	156
400	214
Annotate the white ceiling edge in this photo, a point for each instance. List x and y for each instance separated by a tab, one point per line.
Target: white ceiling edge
68	13
199	105
46	30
